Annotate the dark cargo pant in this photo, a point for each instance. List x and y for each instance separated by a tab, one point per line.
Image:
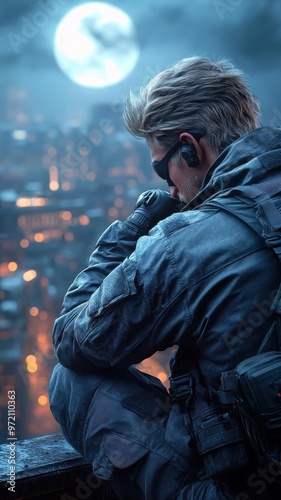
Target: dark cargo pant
118	420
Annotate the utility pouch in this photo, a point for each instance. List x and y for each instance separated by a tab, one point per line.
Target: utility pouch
259	378
259	387
220	442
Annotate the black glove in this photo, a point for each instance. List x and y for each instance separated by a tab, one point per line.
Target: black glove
151	207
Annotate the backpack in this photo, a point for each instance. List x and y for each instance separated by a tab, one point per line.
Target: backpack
253	388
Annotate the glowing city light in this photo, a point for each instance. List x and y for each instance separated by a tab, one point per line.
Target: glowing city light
42	400
84	220
34	311
24	243
66	215
23	202
112	212
69	236
31	202
39	237
31	363
29	275
54	186
54	183
12	266
19	135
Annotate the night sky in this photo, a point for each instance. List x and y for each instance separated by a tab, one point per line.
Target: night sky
246	31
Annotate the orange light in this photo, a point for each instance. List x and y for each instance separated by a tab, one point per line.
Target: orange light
39	237
69	237
31	363
65	215
41	337
112	212
31	202
24	243
43	315
66	186
34	311
12	266
40	202
30	359
43	400
23	202
54	186
29	275
84	220
32	368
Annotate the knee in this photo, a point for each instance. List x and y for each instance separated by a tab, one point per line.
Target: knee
57	393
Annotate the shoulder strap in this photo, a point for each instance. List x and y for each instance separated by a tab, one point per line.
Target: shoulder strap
265	345
259	197
267	224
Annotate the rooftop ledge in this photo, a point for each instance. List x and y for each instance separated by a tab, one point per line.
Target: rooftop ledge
48	468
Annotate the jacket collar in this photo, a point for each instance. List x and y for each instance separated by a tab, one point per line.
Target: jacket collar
241	163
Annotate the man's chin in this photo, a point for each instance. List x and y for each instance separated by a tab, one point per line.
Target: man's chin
183	199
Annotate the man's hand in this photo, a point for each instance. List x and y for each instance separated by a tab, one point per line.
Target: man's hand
151	207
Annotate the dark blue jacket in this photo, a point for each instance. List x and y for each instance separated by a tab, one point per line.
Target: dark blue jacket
201	279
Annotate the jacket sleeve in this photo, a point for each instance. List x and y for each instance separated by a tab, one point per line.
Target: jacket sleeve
116	243
120	309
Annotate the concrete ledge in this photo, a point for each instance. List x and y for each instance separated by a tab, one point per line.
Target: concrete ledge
48	468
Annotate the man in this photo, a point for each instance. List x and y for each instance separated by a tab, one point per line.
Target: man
196	278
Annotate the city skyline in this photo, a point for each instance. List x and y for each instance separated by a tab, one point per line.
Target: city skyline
61	188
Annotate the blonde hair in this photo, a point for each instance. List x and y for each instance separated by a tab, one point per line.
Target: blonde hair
194	92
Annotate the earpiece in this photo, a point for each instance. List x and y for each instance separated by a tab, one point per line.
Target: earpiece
189	154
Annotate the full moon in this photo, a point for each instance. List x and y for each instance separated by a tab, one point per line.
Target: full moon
95	45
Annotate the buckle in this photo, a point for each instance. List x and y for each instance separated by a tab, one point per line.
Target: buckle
181	388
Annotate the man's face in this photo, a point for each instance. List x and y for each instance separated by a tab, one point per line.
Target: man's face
186	180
